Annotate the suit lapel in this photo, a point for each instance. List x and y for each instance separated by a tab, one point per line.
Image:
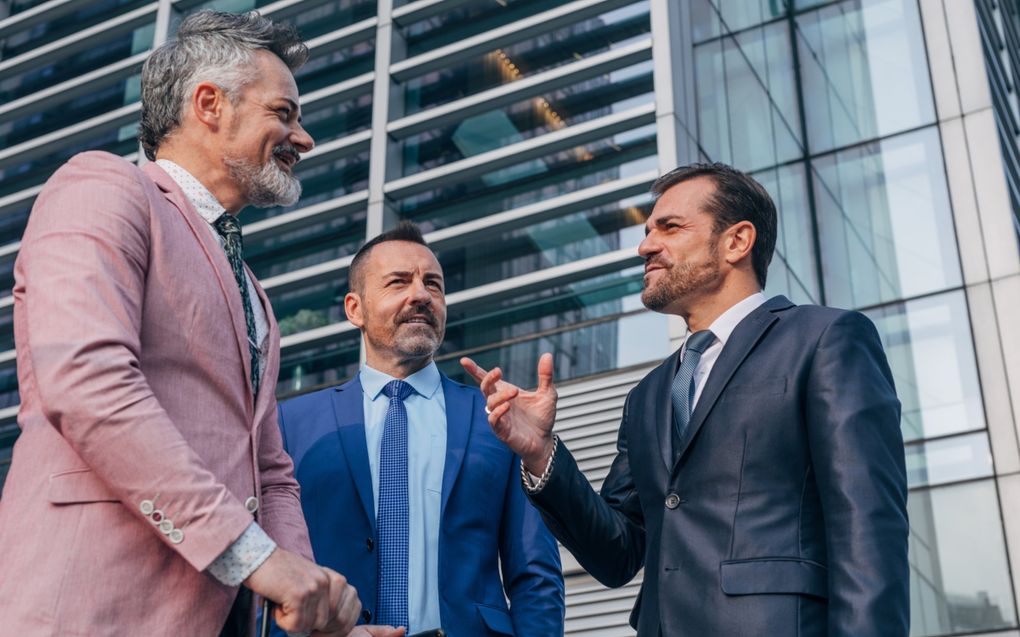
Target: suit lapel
658	402
217	259
349	412
459	416
741	342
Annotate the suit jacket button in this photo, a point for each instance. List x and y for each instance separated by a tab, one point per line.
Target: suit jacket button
251	504
672	501
367	616
166	526
370	543
176	536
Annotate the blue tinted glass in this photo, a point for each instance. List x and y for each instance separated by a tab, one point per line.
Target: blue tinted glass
930	348
623	155
793	271
865	71
304	369
947	460
885	222
959	579
747	107
710	18
528	57
556	110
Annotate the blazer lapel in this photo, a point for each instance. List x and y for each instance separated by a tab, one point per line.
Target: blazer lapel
217	259
349	412
741	342
459	416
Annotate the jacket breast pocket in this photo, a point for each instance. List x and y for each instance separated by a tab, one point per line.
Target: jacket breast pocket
775	576
758	388
77	486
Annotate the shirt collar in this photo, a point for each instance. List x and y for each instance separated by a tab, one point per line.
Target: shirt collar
205	202
425	381
723	326
728	321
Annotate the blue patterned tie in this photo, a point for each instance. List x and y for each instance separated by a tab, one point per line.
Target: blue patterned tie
392	517
683	383
229	228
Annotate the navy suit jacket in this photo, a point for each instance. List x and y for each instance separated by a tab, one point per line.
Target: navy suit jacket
783	512
486	521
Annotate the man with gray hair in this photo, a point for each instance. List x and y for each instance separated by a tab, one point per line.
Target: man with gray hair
149	492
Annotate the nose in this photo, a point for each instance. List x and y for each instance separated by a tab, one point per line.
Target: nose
420	293
301	139
648	247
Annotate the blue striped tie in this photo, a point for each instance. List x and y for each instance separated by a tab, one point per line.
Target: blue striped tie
683	383
391	594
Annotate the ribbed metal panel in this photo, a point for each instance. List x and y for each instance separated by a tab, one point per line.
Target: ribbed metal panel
587	422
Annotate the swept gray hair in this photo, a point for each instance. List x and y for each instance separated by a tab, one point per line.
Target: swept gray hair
210	46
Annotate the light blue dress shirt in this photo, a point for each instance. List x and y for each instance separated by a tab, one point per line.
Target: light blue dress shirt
426	458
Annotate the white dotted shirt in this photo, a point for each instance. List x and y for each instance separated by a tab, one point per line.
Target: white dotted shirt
254	547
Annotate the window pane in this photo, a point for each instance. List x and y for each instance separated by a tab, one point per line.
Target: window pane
623	155
928	343
865	71
583	323
560	241
959	581
559	109
793	271
306	369
949	460
747	109
469	19
523	59
885	222
710	18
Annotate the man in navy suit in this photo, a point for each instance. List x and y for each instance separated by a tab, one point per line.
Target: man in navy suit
405	488
759	479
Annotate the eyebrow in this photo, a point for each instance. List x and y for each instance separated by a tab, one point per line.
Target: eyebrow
407	273
661	221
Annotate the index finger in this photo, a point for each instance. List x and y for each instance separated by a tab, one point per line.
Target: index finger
473	369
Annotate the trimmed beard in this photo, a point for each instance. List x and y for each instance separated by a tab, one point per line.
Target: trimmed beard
681	279
264	185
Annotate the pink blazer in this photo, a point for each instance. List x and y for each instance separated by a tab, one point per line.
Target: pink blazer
133	369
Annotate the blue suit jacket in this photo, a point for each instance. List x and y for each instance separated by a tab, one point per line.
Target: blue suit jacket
486	521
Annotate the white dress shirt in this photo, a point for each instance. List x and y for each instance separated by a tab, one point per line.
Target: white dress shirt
722	328
254	547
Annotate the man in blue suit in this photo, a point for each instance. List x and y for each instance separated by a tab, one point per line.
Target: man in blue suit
759	479
405	489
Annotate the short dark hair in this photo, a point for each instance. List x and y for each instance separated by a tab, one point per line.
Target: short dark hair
737	197
210	46
404	231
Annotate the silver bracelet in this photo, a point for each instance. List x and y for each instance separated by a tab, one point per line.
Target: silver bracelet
526	475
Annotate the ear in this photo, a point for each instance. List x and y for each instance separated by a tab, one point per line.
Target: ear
354	309
738	242
208	102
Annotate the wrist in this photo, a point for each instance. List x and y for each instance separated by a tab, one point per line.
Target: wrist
537	462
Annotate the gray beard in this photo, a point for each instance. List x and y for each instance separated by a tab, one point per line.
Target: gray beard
264	185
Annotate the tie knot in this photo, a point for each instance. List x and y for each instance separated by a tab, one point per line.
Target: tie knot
227	224
397	389
700	341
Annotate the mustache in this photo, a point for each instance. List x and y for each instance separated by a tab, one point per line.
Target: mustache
421	311
657	260
287	151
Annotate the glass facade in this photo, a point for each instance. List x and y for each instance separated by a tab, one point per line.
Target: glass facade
523	135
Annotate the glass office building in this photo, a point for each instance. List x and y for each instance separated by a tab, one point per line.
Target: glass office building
523	136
